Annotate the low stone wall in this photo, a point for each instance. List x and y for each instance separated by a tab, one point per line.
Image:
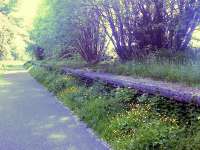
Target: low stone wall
178	92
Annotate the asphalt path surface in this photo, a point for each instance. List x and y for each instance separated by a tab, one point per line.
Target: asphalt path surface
33	119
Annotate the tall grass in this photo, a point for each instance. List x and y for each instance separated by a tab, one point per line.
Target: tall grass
186	72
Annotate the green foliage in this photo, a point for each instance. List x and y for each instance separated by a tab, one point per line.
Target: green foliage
140	129
184	73
6	37
134	32
53	30
6	6
66	27
12	37
125	95
126	119
187	73
73	62
58	84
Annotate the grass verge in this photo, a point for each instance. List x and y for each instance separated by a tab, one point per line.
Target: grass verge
124	118
186	73
9	66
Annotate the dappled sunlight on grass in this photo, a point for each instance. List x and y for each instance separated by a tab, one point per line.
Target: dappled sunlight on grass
12	62
10	66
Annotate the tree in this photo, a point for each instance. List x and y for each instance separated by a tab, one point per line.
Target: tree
136	28
69	26
12	37
139	27
6	6
91	36
6	37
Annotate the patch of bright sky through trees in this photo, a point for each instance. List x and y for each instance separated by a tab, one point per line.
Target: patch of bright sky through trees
28	10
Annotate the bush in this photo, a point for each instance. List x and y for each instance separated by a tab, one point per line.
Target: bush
57	84
39	53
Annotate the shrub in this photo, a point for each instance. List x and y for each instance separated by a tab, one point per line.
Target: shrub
125	95
58	84
39	53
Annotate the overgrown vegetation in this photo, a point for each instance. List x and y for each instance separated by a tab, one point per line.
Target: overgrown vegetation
187	72
133	29
125	118
146	38
140	38
171	72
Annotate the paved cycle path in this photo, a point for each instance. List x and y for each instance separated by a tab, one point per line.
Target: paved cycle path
32	119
